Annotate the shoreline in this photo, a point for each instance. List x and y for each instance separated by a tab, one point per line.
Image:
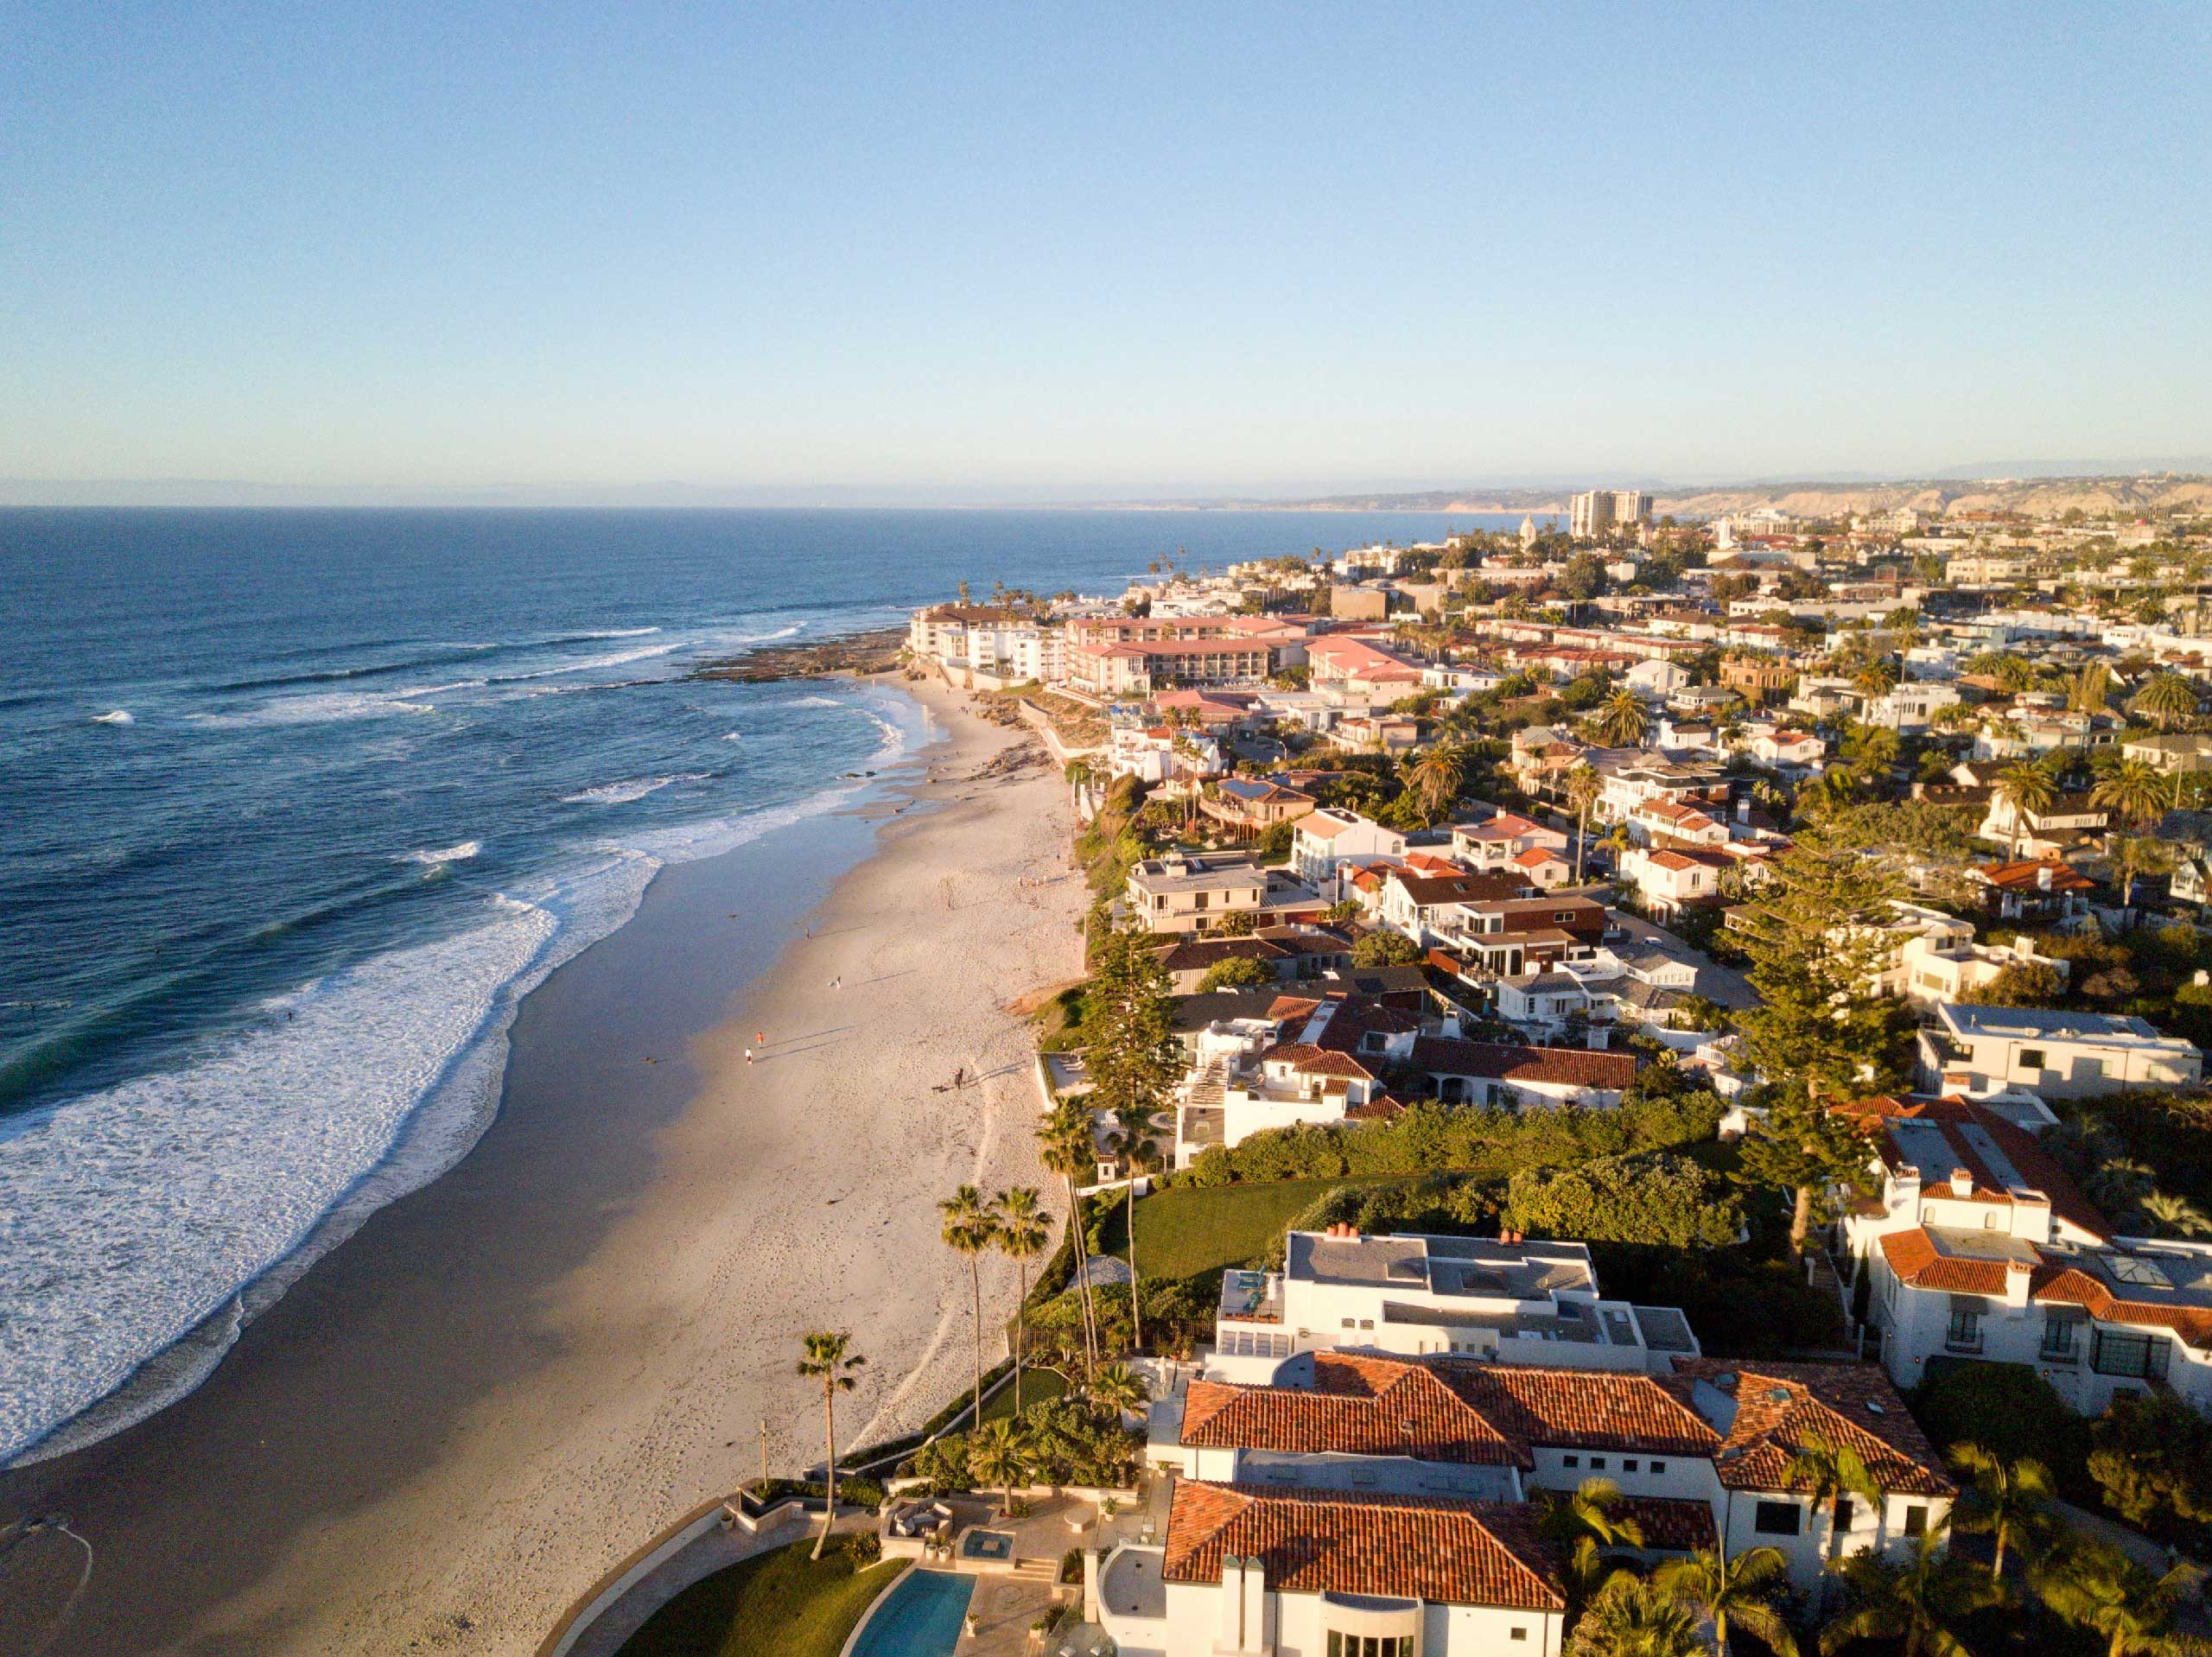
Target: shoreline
450	1424
446	1121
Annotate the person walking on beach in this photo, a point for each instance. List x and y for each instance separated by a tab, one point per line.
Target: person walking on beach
748	1056
960	1077
837	983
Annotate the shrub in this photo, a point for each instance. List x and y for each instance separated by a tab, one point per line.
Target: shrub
2152	1457
2008	1410
1385	949
1238	972
1657	1198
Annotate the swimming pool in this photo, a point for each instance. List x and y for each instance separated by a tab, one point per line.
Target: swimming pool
997	1545
919	1617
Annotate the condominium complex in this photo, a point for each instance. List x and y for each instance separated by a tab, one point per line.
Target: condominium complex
1597	512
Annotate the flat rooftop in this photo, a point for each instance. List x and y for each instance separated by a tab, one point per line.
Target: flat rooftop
1470	1267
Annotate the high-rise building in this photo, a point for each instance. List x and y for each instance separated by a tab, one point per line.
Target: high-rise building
1590	514
1595	512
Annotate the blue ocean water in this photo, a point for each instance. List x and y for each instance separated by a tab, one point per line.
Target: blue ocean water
299	803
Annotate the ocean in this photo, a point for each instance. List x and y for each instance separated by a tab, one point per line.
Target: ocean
299	804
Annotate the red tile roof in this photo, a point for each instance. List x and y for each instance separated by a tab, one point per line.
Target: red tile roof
1672	1524
1371	1405
2027	877
1782	1407
1498	1061
1580	1409
2035	1166
1917	1260
1343	1542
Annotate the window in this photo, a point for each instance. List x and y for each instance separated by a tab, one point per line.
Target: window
1597	1462
2117	1352
1963	1334
2032	1059
1570	1461
1658	1468
1367	1323
1349	1323
1628	1467
1517	1634
1846	1513
1916	1520
1777	1519
2061	1338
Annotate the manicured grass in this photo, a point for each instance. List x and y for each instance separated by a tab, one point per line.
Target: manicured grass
781	1602
1037	1386
1189	1229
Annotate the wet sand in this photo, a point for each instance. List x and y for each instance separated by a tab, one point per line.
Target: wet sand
450	1426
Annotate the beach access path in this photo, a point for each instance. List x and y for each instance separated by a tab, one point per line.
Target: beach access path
504	1383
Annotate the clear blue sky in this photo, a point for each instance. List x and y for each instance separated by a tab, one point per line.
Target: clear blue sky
1000	252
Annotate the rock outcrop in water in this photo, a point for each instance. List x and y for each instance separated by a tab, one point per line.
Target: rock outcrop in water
875	651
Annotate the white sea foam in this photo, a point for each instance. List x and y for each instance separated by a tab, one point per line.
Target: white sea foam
818	702
120	716
616	632
619	658
733	736
322	707
468	848
145	1224
132	1215
635	788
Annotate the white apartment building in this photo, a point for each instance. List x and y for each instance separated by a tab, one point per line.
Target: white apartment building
1503	1301
2057	1055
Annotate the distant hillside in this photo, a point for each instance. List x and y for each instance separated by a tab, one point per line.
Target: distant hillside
2095	496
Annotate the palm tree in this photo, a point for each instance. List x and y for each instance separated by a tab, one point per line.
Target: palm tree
829	1359
2009	1499
1581	1525
1025	1231
1135	1144
2135	854
1631	1617
1584	786
971	1227
1067	1148
1437	777
2027	791
1623	719
1879	677
2100	1589
1720	1589
2166	699
1119	1388
2175	1216
998	1453
1918	1603
1831	1474
2134	790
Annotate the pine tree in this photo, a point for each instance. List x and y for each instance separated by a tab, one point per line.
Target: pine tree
1132	1055
1824	1033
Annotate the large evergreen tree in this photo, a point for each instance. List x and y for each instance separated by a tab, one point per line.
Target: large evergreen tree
1825	1033
1131	1054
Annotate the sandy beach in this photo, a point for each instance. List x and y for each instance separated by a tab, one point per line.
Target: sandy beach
505	1382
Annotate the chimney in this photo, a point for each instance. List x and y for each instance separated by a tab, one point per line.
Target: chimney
1232	1604
1961	1183
2043	877
1743	810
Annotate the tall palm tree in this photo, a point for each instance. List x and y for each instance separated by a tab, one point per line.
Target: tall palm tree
2165	699
1719	1589
2009	1499
998	1453
1831	1474
2027	790
1879	677
1584	786
1623	719
1918	1602
1437	777
827	1358
2135	854
1067	1148
2130	1611
1581	1525
971	1226
1025	1232
1138	1148
2134	792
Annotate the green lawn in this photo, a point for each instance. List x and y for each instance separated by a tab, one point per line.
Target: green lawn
1037	1386
781	1602
1190	1228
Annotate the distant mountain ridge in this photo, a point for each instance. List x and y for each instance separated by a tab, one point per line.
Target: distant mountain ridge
2095	495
